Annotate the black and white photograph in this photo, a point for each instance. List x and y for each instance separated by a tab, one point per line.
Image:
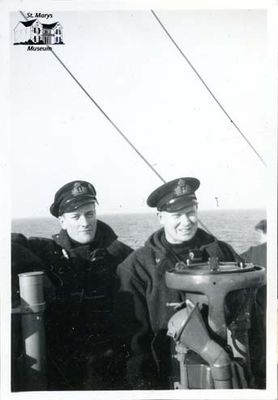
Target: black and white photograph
139	209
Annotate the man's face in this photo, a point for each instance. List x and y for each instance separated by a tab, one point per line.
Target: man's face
180	226
80	224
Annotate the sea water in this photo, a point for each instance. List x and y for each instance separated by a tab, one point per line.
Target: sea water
235	227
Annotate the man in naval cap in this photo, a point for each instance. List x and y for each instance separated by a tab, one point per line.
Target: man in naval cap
257	254
144	301
79	263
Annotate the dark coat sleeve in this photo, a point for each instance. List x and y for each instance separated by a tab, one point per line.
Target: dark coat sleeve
256	255
23	260
134	327
119	250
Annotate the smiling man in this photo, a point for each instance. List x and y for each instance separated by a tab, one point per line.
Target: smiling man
180	226
80	265
144	301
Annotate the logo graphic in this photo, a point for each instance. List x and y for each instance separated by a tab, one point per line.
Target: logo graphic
34	32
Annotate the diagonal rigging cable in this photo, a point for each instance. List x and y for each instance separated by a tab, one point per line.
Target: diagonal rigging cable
103	112
206	86
109	119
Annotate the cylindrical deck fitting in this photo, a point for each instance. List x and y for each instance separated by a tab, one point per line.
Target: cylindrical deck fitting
33	333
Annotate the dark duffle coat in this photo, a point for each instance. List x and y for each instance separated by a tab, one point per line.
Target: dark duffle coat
142	302
79	319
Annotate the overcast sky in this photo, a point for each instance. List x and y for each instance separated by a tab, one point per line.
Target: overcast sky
129	66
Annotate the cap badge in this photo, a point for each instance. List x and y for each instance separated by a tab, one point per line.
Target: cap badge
78	189
181	188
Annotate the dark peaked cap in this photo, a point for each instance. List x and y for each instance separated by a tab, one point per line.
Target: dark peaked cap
71	196
174	195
